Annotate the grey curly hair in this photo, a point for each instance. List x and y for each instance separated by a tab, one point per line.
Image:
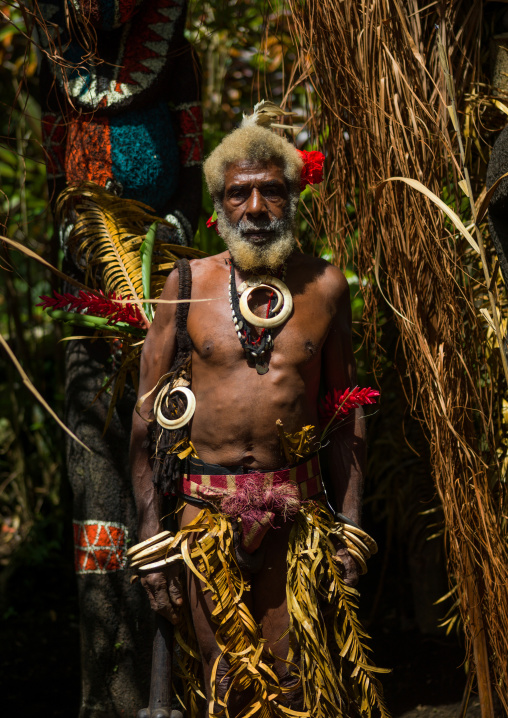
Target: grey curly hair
256	144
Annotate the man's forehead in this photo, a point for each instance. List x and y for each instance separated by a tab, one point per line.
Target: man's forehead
248	170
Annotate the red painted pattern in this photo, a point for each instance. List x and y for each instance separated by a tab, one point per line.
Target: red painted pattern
127	9
99	546
92	10
88	154
191	134
145	30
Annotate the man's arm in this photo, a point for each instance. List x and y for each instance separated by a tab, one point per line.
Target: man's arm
345	452
163	588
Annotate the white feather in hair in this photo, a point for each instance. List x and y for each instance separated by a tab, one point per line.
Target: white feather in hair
265	114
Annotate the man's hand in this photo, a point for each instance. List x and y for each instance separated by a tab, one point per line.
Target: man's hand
165	593
350	568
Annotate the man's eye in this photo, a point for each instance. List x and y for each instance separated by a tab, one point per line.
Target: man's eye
272	192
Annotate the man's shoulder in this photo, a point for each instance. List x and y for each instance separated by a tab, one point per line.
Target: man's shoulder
210	272
201	270
209	264
328	277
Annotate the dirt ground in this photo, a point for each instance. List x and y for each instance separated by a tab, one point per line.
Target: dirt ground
427	678
39	663
445	711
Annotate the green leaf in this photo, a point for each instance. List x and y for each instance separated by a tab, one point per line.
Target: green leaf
97	323
146	251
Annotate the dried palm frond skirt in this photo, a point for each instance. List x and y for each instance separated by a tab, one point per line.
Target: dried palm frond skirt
336	676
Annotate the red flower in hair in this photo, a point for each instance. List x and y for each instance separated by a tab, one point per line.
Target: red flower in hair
211	223
312	170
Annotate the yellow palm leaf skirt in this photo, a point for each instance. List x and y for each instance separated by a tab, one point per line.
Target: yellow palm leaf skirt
335	674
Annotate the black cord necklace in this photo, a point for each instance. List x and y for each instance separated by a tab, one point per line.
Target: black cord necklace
256	349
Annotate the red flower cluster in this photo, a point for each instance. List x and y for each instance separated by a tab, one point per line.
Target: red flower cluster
211	223
96	305
312	170
337	405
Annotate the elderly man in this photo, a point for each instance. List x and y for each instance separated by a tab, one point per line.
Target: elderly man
267	563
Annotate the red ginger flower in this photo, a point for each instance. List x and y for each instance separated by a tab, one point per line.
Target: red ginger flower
96	305
336	406
312	170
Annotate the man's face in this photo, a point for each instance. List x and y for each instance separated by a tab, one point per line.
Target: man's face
257	214
254	194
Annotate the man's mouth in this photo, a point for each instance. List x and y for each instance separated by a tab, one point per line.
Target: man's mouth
258	235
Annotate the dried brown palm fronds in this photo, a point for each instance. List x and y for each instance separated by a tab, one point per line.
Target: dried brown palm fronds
378	80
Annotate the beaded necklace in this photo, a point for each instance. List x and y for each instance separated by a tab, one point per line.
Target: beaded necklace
256	349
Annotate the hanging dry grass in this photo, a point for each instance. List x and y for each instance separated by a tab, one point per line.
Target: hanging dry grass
375	70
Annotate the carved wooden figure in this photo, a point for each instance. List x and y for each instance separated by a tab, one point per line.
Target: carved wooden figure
121	108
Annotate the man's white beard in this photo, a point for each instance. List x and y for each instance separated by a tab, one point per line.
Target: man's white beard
250	257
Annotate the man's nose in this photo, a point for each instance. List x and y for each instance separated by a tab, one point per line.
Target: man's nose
256	204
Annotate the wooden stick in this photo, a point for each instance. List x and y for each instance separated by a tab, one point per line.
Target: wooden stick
161	693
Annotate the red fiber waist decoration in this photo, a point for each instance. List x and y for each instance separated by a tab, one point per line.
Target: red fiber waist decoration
257	498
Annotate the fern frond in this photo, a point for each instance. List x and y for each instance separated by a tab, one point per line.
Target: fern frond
106	238
106	241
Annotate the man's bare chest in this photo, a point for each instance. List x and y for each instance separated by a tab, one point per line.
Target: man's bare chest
296	343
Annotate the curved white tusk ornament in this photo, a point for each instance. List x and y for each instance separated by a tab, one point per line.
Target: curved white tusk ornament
280	299
274	284
187	414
